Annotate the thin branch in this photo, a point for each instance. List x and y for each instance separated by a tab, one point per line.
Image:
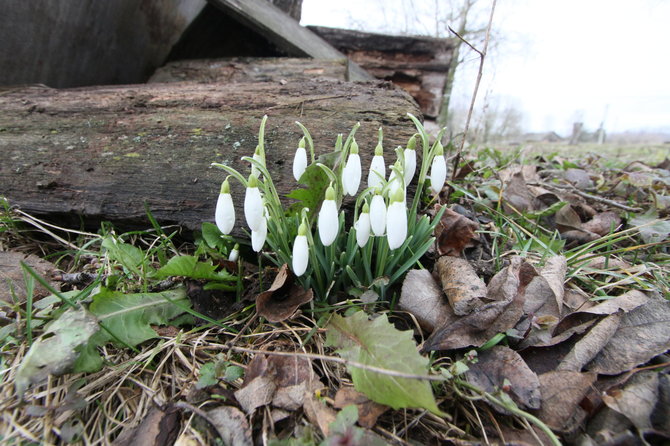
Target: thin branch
480	73
604	200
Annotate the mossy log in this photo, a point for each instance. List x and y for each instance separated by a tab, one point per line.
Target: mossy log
86	155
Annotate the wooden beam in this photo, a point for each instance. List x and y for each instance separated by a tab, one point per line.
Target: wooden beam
278	27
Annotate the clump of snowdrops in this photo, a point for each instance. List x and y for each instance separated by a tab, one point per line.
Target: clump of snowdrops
363	259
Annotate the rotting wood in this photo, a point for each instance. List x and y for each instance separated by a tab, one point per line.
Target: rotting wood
417	64
84	155
248	69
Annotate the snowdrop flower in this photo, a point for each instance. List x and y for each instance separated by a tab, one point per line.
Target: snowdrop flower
396	220
224	215
438	170
378	215
396	182
377	168
410	160
300	160
253	204
300	251
351	174
362	226
234	253
328	223
258	236
257	157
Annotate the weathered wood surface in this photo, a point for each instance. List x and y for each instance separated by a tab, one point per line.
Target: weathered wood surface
286	33
416	63
70	43
247	69
100	153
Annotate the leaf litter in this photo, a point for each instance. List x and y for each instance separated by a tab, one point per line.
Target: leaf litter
574	303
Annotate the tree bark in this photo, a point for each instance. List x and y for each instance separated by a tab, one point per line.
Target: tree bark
82	156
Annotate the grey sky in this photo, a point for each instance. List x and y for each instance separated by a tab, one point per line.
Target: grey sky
557	60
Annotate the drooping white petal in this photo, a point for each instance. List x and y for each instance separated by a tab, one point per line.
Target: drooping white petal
328	223
379	166
378	215
224	216
299	163
396	224
300	255
254	170
395	183
438	173
351	175
362	227
253	208
410	165
258	236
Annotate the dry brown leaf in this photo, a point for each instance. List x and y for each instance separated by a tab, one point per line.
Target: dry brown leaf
578	178
626	302
516	194
463	287
479	326
283	298
499	365
562	392
643	333
603	223
258	392
159	427
368	411
568	219
454	233
231	425
588	347
318	413
637	399
11	275
423	298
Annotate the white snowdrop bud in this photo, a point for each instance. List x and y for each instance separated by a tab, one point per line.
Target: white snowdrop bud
378	215
438	170
253	204
377	168
234	254
224	216
299	160
362	226
328	223
300	251
396	221
410	160
351	174
258	236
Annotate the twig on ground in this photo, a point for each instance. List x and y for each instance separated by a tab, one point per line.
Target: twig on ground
588	196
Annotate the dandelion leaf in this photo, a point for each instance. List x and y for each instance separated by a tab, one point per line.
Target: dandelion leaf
188	266
378	343
56	350
131	257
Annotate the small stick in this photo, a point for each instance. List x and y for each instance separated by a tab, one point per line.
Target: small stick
590	196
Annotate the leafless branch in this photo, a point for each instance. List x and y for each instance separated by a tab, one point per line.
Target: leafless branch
482	57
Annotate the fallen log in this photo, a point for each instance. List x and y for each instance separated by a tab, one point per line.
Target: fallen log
82	156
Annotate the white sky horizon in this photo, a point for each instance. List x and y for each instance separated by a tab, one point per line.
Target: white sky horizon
557	62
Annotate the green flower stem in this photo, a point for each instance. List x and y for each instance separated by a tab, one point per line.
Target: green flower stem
310	142
232	172
512	408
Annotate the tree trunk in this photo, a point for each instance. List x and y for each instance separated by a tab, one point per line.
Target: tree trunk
100	153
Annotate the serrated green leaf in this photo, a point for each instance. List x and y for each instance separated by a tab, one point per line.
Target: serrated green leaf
211	235
208	375
378	343
131	257
188	266
55	351
130	316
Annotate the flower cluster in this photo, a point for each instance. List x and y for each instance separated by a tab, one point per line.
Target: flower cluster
381	212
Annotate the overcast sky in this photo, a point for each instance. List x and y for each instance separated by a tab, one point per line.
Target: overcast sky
557	61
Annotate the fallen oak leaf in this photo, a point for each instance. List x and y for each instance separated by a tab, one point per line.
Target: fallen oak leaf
454	233
463	287
283	297
368	411
423	298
